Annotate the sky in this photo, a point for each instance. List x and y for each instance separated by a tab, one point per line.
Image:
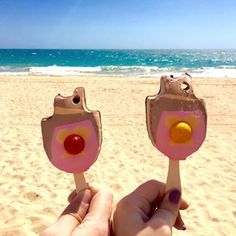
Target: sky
118	24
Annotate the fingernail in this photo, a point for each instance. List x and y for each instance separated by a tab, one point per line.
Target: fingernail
184	227
174	196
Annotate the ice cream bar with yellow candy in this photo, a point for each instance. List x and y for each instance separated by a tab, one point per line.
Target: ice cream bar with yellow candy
72	136
176	119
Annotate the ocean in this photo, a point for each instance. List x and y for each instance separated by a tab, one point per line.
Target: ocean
198	63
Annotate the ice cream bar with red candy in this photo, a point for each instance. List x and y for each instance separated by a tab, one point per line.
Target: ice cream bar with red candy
72	136
176	119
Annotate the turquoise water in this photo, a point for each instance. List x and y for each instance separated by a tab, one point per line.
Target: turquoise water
132	62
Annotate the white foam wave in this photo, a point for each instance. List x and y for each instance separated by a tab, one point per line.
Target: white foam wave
62	70
219	72
9	70
222	71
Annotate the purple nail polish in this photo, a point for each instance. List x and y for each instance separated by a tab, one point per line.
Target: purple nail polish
174	196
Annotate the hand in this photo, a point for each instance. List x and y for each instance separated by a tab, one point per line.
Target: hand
93	208
148	211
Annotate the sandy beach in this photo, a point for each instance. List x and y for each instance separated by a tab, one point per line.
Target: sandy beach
33	193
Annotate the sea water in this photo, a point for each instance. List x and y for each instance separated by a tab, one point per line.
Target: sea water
200	63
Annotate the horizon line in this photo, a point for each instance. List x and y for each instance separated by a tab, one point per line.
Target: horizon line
117	48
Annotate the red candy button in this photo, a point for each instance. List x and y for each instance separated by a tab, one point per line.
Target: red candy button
74	144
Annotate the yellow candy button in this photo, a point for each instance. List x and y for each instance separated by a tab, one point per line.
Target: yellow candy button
180	132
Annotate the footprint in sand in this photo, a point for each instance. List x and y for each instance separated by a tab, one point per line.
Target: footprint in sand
32	196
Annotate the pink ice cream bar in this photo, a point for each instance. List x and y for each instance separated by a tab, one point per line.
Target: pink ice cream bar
176	118
72	136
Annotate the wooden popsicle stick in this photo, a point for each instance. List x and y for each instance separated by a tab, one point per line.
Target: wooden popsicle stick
80	182
173	179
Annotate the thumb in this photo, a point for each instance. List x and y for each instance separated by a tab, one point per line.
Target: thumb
168	210
79	204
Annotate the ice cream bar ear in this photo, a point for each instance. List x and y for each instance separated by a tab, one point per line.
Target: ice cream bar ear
176	118
181	86
72	136
71	104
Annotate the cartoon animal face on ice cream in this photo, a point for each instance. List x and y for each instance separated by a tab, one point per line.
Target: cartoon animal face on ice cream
72	136
176	119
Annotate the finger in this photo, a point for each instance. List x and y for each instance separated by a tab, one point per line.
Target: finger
179	223
168	209
154	206
72	195
141	203
66	222
136	208
183	204
147	196
96	221
101	205
94	189
158	189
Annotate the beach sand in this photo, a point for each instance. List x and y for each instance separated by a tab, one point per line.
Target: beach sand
33	193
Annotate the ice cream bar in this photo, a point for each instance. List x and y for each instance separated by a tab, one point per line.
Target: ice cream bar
176	118
72	136
176	123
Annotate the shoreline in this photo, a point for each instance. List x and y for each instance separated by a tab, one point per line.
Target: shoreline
112	75
176	74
